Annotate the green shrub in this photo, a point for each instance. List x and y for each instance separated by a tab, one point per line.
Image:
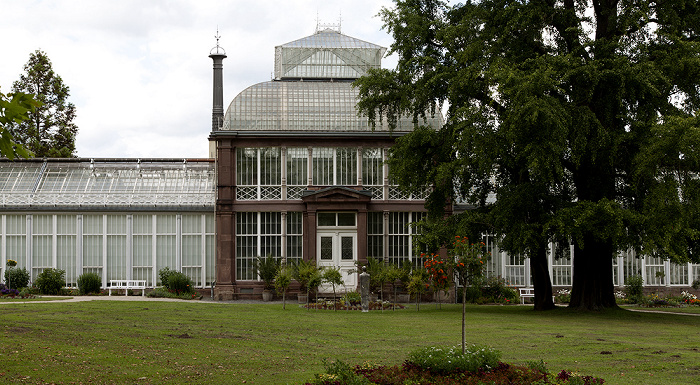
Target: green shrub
17	278
164	275
352	298
267	270
51	281
446	360
89	283
338	372
161	292
497	290
180	283
634	288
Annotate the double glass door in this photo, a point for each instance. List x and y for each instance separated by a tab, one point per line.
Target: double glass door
338	249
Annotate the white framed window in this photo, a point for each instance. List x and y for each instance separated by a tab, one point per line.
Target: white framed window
395	234
259	234
334	166
258	173
142	247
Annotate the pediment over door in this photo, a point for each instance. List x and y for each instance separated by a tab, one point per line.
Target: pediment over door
336	194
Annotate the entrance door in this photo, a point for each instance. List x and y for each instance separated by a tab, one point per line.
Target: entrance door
338	249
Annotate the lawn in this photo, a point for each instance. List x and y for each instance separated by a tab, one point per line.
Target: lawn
154	342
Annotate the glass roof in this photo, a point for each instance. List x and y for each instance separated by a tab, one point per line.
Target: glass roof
327	54
98	183
304	106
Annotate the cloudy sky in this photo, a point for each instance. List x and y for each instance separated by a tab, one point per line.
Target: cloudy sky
139	72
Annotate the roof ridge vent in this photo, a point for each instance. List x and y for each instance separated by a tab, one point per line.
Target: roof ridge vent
323	27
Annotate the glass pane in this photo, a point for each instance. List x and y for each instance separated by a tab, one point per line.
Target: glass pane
323	166
326	219
246	166
326	248
270	166
297	166
346	219
372	170
346	166
346	248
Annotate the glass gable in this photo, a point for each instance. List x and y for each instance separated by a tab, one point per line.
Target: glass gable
327	54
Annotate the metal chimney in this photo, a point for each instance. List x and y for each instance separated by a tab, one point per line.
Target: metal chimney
217	54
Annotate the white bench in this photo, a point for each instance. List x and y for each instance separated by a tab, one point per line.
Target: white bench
126	285
526	292
529	292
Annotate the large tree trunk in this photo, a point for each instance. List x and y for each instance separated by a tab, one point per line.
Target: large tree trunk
593	287
541	279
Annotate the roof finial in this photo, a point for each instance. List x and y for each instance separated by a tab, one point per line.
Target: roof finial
217	50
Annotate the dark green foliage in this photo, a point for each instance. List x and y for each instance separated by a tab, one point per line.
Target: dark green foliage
352	297
50	130
180	283
17	278
491	290
164	275
282	281
51	281
446	360
582	120
498	291
267	270
307	274
634	288
175	281
14	108
89	283
338	372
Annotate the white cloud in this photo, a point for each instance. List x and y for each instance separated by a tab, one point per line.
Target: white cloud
139	71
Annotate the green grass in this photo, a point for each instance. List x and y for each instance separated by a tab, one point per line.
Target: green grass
37	298
194	342
684	310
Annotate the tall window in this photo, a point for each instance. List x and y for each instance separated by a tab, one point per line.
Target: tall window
116	246
42	243
16	239
192	247
297	171
66	242
142	247
398	237
166	241
258	173
294	237
334	166
260	235
92	244
375	235
373	171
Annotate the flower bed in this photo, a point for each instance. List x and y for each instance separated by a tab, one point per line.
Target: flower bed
479	365
340	305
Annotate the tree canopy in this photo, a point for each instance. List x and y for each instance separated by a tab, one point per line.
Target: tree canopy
50	130
14	108
581	117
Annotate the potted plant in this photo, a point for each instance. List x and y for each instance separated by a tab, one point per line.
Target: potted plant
267	270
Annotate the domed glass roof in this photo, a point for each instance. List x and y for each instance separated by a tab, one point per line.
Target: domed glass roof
313	90
304	106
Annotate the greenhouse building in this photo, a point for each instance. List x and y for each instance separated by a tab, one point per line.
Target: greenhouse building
294	173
